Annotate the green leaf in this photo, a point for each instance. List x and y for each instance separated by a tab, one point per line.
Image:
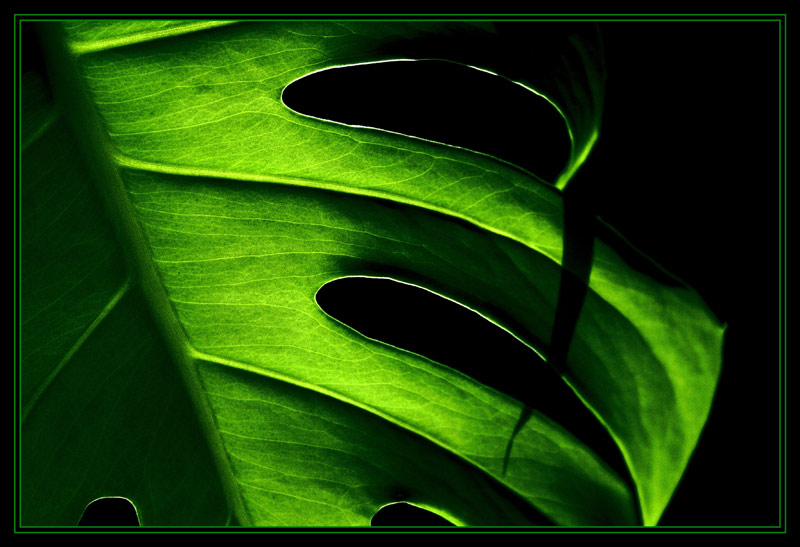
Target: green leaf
172	348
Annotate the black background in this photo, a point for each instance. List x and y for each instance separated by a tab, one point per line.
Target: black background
689	158
686	168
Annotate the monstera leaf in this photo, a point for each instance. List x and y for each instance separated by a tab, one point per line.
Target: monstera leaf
178	220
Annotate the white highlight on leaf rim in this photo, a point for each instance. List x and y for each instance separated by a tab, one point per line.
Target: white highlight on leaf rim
135	509
566	171
435	510
482	316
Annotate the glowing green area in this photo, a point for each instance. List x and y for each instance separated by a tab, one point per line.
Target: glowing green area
233	211
89	36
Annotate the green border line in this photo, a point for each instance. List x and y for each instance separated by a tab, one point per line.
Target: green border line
782	266
17	264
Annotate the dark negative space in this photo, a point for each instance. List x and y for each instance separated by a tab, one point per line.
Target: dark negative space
686	169
405	514
443	102
109	512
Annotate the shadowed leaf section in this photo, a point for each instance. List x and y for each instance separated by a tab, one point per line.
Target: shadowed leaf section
423	322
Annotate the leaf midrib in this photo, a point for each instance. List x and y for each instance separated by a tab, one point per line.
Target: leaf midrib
95	144
185	355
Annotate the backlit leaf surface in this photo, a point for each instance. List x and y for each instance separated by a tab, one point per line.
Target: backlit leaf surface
174	353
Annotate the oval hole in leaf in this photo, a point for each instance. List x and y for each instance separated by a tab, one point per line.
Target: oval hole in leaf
405	514
110	511
425	323
440	101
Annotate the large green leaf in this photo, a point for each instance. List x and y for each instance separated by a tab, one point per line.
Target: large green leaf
173	350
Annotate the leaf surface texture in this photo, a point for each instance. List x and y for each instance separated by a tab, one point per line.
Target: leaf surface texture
173	350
